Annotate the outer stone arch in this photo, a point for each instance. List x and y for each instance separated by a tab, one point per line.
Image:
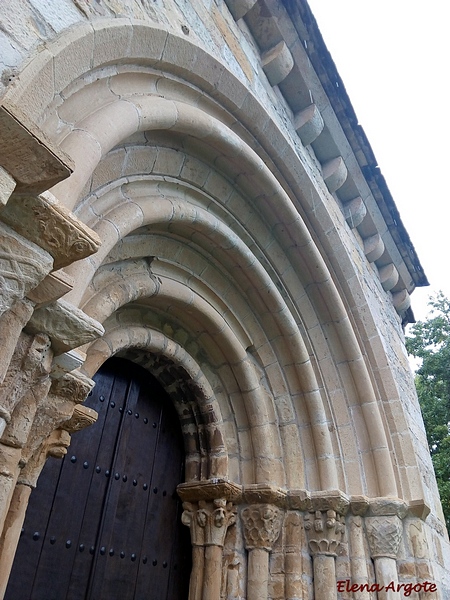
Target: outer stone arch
288	308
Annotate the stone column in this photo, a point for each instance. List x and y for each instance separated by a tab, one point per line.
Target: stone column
384	533
208	512
293	562
324	530
358	563
324	524
208	522
54	445
262	525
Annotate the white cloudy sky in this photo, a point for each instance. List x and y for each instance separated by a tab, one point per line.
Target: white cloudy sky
393	56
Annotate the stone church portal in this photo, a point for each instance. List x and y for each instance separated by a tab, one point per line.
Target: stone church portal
194	227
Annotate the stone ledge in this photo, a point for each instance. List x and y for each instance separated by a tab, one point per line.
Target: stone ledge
209	490
44	221
67	326
28	156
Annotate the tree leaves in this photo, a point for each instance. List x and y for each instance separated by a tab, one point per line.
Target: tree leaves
430	342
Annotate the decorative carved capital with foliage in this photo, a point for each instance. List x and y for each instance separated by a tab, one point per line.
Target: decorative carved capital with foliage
262	525
324	530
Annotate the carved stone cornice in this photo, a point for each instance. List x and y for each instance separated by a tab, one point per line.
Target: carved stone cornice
387	506
330	500
208	521
42	220
82	417
384	534
31	159
67	325
324	530
262	526
209	490
261	493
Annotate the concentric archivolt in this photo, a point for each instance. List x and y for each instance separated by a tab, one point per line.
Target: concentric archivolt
205	250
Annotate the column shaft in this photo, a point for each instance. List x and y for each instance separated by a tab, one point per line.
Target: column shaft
213	573
11	532
258	574
325	587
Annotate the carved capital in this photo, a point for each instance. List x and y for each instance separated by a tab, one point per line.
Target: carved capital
82	417
44	221
67	325
384	534
23	265
29	366
55	445
208	521
73	386
262	526
324	530
58	410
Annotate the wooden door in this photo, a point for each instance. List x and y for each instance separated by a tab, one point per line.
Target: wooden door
105	524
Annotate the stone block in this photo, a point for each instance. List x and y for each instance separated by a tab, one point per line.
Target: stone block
388	276
23	265
112	38
373	247
27	156
51	226
67	326
66	362
277	63
354	212
308	124
334	173
53	287
72	55
239	8
7	185
147	43
401	301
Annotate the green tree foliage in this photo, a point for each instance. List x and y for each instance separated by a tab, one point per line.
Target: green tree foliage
429	341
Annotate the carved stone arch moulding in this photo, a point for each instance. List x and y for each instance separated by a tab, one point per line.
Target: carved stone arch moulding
179	116
182	378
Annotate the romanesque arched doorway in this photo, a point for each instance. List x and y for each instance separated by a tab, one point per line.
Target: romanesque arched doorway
105	524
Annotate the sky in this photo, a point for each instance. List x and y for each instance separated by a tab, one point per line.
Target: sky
393	57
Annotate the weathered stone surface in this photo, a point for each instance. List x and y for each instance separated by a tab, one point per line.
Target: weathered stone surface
308	124
51	288
7	185
33	162
277	63
334	173
23	265
228	272
82	417
67	326
52	227
354	212
239	8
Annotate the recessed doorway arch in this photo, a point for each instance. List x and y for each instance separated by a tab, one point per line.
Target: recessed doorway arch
105	523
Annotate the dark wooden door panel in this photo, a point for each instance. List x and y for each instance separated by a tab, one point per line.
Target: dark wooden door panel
104	524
